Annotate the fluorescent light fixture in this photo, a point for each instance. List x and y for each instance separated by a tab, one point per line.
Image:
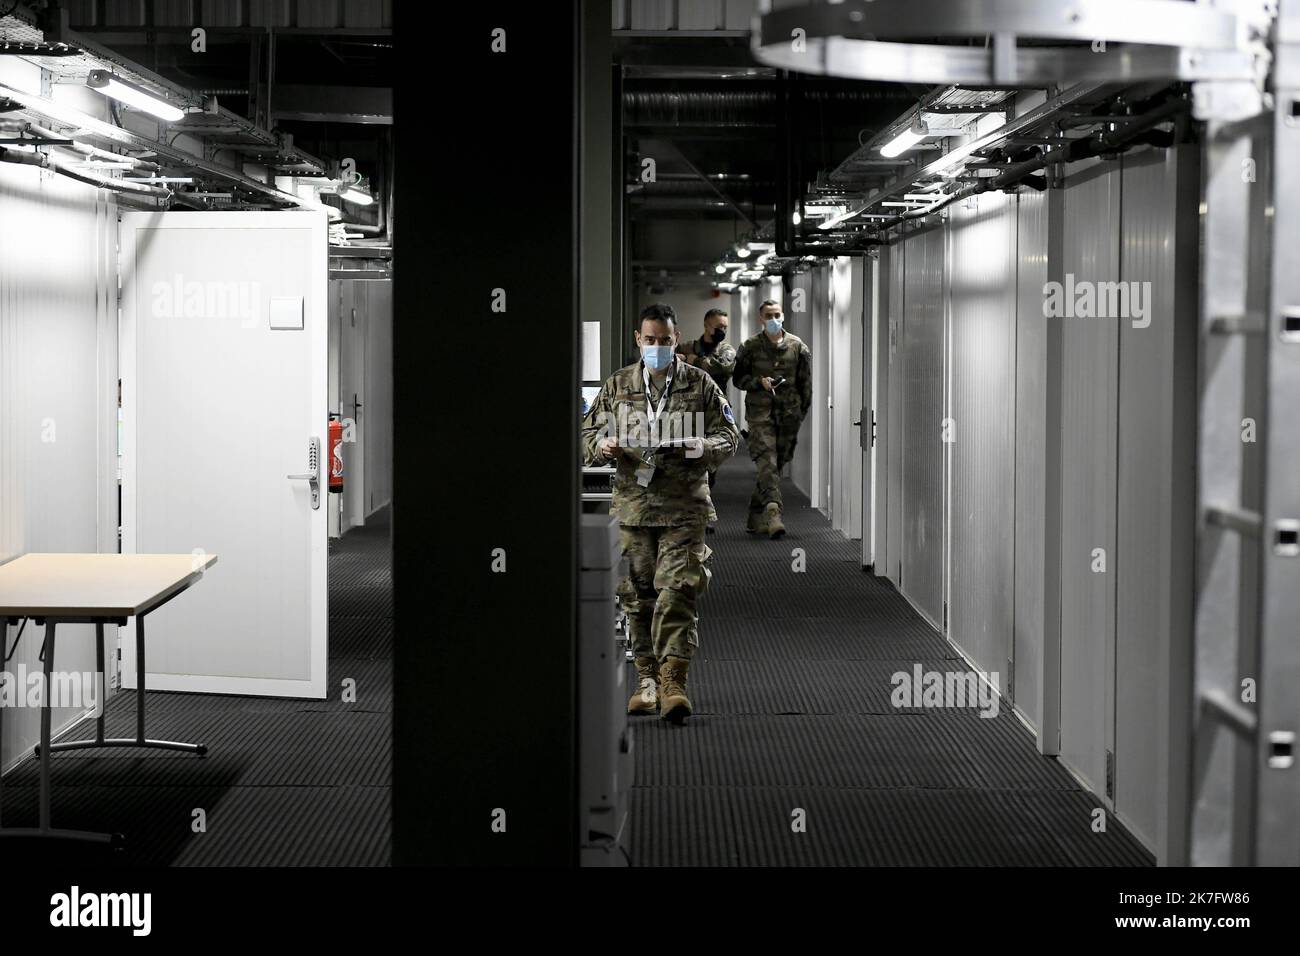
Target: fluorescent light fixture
104	82
926	197
906	139
834	221
820	211
355	196
910	204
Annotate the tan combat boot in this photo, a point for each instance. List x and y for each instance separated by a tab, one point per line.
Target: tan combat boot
674	705
775	527
646	698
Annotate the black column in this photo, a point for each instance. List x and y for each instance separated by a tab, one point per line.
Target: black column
486	410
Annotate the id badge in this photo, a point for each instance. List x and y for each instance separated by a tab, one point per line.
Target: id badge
644	472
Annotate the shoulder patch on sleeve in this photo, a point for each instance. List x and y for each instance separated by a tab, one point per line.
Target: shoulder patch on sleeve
727	413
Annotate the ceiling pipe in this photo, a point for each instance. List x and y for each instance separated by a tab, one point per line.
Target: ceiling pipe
1140	131
42	161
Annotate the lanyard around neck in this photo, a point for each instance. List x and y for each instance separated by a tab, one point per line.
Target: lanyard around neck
653	413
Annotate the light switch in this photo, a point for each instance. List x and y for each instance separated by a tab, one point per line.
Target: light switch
287	312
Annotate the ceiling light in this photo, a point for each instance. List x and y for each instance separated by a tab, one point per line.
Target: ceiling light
719	268
818	211
104	82
796	219
355	196
834	221
743	251
906	139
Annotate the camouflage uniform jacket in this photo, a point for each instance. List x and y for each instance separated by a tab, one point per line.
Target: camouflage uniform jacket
678	492
790	359
719	361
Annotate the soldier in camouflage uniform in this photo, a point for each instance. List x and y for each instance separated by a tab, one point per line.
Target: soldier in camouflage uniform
715	355
775	370
661	500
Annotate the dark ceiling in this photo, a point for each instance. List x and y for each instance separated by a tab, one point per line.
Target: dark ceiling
709	115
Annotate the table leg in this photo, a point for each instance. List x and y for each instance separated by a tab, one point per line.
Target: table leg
139	679
4	649
139	740
45	728
102	677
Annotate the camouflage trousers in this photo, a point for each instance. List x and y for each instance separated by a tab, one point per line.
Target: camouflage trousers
668	570
771	445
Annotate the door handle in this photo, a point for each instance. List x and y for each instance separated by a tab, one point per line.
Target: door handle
313	475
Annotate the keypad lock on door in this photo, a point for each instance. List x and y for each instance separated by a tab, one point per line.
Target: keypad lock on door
313	474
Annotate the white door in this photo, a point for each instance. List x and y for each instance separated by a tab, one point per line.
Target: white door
224	387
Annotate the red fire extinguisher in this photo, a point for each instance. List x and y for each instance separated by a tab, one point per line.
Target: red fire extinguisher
336	455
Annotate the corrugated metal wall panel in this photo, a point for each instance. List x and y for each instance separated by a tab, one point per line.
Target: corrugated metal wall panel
740	14
897	371
1089	390
367	13
80	12
1031	426
845	384
923	412
124	12
223	13
982	310
799	317
817	425
738	330
880	390
320	13
1146	582
379	394
57	328
268	13
170	13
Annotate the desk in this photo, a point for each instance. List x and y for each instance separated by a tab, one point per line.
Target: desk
98	589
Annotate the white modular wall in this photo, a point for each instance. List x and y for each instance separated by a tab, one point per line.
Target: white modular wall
800	319
362	309
922	425
891	424
963	336
379	377
58	399
1031	462
1089	425
845	388
982	331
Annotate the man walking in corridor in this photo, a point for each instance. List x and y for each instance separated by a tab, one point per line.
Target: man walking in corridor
774	368
715	355
661	500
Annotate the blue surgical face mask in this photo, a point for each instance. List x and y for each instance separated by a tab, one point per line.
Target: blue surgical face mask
657	357
774	326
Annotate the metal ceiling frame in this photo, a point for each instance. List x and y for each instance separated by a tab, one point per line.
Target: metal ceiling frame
205	121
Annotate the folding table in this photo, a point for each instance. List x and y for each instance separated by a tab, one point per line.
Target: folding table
98	589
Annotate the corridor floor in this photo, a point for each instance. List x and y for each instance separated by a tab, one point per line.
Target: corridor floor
795	755
285	782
